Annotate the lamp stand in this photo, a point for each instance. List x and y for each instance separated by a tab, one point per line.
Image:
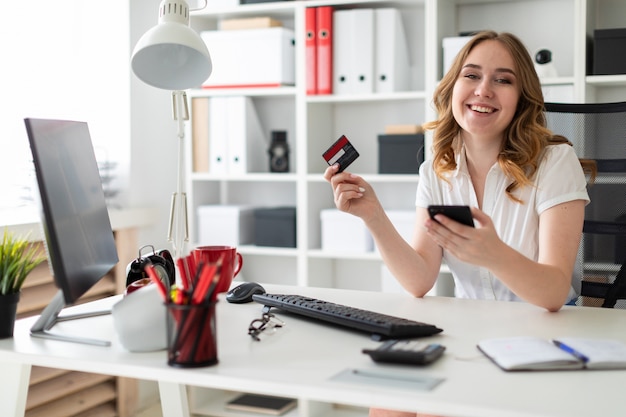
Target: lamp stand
178	231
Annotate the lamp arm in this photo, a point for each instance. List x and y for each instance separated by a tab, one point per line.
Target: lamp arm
178	231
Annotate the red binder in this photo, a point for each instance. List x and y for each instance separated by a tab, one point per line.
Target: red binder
325	50
311	50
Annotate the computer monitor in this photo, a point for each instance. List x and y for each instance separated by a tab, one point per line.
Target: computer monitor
78	235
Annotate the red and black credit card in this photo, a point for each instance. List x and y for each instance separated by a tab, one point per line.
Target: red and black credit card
341	152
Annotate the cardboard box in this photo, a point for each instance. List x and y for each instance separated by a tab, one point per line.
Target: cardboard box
251	57
400	154
225	225
608	48
343	232
275	227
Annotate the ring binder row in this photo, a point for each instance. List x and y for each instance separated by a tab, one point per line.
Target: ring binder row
319	49
370	52
356	51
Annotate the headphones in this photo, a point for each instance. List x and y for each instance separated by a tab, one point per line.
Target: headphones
163	264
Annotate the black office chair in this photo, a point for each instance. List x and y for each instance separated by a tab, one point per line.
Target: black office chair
598	132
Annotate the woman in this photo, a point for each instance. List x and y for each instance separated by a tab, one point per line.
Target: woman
493	152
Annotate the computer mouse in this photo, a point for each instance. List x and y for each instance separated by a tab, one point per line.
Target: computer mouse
243	293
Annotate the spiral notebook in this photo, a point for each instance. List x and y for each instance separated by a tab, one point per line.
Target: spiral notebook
535	354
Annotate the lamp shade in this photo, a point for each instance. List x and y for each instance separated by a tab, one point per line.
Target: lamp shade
171	55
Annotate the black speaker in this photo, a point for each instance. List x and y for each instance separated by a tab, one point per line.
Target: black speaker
279	152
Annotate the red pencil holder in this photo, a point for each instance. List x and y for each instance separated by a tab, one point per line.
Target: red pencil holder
192	335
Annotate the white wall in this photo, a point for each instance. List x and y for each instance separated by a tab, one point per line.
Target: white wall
153	137
153	152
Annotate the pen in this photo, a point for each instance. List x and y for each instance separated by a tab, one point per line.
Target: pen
207	276
210	295
155	278
184	273
571	351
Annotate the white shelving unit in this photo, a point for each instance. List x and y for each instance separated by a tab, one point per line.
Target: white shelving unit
314	122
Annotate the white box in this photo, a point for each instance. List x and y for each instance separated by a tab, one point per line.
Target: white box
251	58
343	232
451	47
403	221
221	4
225	225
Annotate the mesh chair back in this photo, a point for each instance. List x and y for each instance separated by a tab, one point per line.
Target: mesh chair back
598	131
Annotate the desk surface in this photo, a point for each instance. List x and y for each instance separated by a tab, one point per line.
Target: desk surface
301	359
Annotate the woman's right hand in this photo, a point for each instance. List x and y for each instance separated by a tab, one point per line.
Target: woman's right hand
352	193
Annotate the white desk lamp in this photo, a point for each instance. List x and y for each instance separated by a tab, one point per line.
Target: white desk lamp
172	56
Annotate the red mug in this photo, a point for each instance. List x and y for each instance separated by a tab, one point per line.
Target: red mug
232	261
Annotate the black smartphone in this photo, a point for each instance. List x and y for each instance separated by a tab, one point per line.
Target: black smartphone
461	214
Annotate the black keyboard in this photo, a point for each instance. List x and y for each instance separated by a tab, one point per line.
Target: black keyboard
381	326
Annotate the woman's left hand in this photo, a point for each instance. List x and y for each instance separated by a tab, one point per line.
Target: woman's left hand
475	245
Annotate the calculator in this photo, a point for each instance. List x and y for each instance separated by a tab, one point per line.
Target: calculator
410	352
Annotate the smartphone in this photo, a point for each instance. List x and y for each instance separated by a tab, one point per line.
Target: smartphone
461	214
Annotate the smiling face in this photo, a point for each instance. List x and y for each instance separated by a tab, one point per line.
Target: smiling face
486	92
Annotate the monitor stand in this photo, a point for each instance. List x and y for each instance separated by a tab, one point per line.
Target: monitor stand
50	316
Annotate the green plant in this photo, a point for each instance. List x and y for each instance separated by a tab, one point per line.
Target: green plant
18	257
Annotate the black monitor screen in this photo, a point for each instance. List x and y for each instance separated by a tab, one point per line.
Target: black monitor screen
79	239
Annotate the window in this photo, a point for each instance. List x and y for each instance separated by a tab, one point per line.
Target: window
66	59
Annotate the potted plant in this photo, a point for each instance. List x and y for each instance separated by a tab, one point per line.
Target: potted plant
18	257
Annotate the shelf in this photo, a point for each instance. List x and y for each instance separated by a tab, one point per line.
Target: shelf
249	92
373	178
252	177
363	98
267	250
618	80
601	267
314	122
215	406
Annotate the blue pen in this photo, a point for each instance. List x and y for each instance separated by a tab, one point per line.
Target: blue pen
571	351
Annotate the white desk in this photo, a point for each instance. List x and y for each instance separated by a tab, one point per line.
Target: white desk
301	359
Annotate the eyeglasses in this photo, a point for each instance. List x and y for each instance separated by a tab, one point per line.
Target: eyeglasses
268	323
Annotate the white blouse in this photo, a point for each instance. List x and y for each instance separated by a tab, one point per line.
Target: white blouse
559	179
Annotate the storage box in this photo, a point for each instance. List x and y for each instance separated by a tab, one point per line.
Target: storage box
451	47
400	154
225	225
275	227
343	232
251	57
403	221
608	51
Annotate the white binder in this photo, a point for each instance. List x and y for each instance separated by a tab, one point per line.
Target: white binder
363	50
392	62
353	51
342	56
218	135
247	145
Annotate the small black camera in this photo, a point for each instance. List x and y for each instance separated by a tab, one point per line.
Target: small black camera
543	56
279	152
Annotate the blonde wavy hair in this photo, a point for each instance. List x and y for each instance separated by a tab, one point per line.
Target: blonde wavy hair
527	135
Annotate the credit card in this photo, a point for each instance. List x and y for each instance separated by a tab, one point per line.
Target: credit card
341	152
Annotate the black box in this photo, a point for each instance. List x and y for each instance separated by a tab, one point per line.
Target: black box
275	227
608	51
400	154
